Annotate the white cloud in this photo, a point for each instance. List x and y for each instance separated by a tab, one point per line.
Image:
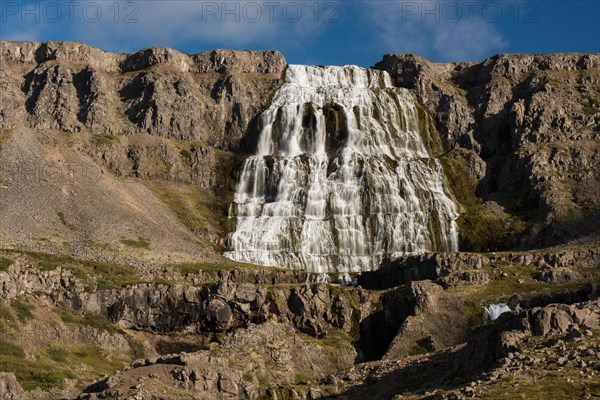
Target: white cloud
225	23
406	27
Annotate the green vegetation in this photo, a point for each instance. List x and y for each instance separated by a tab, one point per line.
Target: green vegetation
11	349
428	132
418	350
5	263
591	105
34	373
4	134
92	273
91	355
23	310
63	220
503	284
57	353
137	347
6	317
106	139
90	319
337	339
141	243
185	153
480	230
302	378
475	312
197	208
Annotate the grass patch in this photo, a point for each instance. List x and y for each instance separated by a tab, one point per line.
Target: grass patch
91	355
302	378
90	319
337	339
475	313
11	349
57	353
4	134
418	350
106	139
199	209
33	374
501	288
141	243
591	105
63	220
6	317
92	273
194	268
5	263
185	153
23	310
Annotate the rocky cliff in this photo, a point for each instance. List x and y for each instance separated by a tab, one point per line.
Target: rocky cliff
70	113
522	135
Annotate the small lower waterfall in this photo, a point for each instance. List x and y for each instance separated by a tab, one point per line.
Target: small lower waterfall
341	177
493	311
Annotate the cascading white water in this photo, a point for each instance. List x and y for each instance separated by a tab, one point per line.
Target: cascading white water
493	311
341	177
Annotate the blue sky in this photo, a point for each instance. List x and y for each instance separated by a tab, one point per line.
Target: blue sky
315	32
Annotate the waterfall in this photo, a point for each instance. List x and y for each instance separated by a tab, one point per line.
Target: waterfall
493	311
341	177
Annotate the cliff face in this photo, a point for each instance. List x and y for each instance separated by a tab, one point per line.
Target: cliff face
72	116
526	128
208	100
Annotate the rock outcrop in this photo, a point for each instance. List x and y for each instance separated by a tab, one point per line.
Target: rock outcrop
10	389
552	266
438	320
243	365
209	100
528	126
491	342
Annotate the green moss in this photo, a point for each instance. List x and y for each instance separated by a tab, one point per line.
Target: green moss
5	263
418	350
23	310
140	243
302	378
4	134
463	184
480	230
106	139
475	312
429	133
186	154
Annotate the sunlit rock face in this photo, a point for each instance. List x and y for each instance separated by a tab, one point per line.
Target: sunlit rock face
341	177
